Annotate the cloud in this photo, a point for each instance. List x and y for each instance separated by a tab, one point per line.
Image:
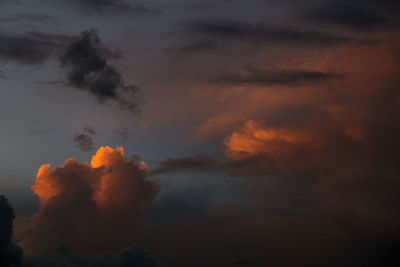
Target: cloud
358	15
339	142
10	254
31	48
268	77
113	7
90	130
351	15
85	61
113	4
195	163
30	17
84	140
260	34
87	206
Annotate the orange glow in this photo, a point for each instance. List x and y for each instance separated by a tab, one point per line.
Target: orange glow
106	156
254	139
43	186
90	198
110	176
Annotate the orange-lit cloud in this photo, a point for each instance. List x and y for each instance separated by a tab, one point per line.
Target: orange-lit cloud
88	205
254	139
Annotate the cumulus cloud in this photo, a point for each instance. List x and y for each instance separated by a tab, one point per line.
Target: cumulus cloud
86	206
10	254
85	61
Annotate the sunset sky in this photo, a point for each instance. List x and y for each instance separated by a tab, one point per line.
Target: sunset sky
199	133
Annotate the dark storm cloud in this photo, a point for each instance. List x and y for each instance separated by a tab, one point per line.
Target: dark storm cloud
260	34
10	254
31	48
85	61
252	75
347	14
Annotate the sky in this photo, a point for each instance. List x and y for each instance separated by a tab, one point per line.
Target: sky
199	133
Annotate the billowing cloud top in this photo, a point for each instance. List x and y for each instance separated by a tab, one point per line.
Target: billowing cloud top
81	203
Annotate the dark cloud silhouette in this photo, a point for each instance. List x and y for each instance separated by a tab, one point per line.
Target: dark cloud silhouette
260	34
251	75
31	48
347	14
10	254
85	61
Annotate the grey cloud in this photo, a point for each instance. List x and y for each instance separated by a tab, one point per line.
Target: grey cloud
195	163
90	130
260	34
345	14
252	75
83	142
119	6
85	62
31	48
